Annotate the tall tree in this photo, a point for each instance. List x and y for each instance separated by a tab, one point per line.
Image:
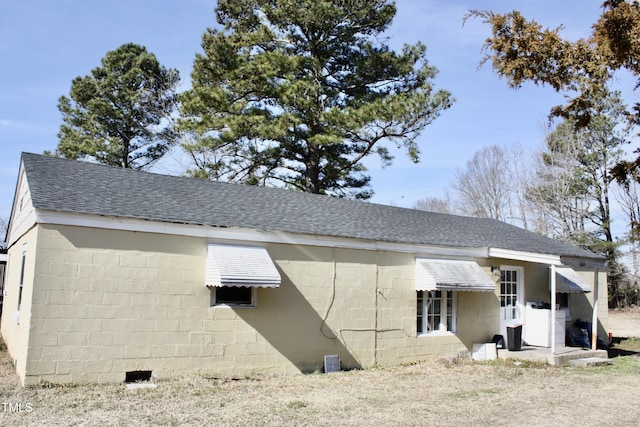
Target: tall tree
436	204
629	199
298	92
120	114
521	177
4	229
483	187
561	192
578	179
521	50
597	149
494	184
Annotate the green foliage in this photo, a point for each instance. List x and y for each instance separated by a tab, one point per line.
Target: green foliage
577	174
521	50
576	179
119	114
300	92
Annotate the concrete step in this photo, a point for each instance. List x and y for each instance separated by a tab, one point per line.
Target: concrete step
564	357
590	361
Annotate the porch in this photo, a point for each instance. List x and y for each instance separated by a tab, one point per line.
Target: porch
563	354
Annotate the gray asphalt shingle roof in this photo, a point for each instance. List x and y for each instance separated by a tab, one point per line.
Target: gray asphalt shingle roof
79	187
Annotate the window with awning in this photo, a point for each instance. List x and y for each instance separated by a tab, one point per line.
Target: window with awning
240	266
569	281
432	274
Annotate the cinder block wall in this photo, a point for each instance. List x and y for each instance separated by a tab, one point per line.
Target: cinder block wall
397	339
109	302
115	301
582	304
16	327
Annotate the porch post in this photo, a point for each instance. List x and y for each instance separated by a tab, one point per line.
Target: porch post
594	321
552	278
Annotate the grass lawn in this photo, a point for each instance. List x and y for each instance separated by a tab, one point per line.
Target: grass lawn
436	392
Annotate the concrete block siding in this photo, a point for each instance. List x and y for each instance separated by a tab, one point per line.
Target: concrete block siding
108	302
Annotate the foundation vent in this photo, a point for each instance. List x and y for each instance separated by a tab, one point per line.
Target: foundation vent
137	376
331	363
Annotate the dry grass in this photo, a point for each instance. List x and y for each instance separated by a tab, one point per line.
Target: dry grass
436	392
625	322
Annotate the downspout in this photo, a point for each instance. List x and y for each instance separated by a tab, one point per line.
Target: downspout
552	278
594	321
375	333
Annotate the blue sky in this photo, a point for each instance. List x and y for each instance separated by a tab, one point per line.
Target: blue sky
44	44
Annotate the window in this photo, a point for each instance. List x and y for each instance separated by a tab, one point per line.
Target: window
233	296
21	285
436	311
235	272
562	300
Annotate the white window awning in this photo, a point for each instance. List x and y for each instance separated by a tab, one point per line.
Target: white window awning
432	274
568	281
250	266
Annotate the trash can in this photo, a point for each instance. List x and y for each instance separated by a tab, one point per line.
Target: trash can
514	337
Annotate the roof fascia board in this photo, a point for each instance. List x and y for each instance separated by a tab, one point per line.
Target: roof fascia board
247	235
22	218
585	262
9	239
524	256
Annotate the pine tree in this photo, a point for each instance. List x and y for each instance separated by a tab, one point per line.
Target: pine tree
298	93
119	114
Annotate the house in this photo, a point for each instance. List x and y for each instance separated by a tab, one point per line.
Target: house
114	272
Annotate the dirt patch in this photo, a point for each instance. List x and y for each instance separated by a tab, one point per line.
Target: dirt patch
625	323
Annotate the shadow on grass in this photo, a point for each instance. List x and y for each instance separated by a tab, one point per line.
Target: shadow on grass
624	346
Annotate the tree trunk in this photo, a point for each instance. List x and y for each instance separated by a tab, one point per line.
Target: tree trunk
312	170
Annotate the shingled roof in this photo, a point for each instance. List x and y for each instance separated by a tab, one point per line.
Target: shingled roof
62	185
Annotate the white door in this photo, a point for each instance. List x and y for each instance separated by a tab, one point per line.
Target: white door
511	298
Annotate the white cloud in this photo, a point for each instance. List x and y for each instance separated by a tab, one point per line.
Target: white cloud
11	124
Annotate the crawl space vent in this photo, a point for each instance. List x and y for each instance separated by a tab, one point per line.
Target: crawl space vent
139	379
331	363
137	376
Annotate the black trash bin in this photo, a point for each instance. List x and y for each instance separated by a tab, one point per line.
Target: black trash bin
514	337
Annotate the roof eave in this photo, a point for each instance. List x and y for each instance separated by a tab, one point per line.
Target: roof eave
224	233
534	257
237	234
585	262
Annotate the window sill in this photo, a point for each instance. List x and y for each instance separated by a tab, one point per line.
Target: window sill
437	334
233	306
